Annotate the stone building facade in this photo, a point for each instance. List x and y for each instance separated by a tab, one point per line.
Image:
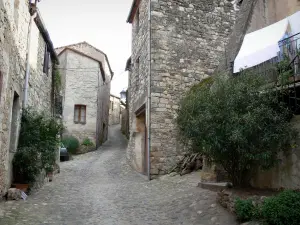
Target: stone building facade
175	44
14	23
86	78
114	110
254	15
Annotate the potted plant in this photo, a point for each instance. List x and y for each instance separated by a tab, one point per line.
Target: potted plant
49	171
26	166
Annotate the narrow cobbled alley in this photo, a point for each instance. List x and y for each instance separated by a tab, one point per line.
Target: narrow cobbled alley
99	188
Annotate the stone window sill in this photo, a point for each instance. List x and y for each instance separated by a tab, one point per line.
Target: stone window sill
82	123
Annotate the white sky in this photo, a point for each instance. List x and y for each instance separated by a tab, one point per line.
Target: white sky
102	23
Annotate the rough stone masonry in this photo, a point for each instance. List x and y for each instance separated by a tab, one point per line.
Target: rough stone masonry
187	41
14	21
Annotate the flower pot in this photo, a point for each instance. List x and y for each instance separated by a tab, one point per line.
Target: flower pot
50	176
22	187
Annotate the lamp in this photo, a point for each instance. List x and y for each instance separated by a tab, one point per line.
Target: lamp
123	94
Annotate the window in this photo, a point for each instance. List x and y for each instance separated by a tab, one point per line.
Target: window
46	60
112	105
137	20
80	114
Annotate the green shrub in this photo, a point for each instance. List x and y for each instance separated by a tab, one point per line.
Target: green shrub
283	209
245	210
71	143
37	147
236	123
26	165
87	142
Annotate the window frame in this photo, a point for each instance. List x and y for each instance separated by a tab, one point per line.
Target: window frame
79	107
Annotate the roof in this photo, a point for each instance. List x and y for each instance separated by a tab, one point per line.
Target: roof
45	34
85	55
98	50
114	96
134	8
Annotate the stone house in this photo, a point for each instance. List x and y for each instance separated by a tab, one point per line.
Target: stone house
114	110
86	78
255	15
175	44
14	23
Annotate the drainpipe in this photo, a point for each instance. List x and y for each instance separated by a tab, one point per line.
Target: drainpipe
32	15
149	94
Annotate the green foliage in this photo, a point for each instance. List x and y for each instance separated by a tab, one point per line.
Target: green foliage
26	164
57	81
71	143
284	70
236	124
283	209
38	139
245	209
87	142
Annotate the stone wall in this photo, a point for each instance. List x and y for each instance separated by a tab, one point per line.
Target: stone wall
137	86
287	173
81	88
14	22
124	122
84	83
114	110
188	39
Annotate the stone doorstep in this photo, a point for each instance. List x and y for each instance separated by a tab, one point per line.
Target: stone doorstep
214	186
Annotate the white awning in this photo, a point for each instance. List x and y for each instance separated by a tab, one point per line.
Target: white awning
262	45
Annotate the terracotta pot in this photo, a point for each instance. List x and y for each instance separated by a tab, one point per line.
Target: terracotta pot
50	176
22	187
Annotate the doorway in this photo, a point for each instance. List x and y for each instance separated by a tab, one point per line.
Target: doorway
15	113
141	140
14	127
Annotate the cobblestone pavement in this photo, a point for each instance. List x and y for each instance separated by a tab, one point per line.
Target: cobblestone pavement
99	188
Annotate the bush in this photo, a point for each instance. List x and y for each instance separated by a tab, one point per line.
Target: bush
38	145
71	143
245	210
236	124
283	209
87	142
26	165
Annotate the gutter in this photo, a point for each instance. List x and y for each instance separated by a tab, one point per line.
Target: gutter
41	26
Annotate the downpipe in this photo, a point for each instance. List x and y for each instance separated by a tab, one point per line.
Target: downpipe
149	93
27	74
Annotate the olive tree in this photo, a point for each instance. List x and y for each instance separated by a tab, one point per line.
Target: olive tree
236	123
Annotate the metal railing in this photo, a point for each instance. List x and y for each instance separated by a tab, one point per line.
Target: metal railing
284	71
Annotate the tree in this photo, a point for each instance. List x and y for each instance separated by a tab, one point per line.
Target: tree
236	123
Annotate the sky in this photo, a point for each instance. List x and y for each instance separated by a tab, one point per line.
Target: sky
101	23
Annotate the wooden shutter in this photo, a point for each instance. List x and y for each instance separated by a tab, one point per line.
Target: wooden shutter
46	60
80	114
76	113
83	114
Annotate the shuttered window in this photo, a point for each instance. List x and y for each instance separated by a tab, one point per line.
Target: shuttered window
80	114
46	61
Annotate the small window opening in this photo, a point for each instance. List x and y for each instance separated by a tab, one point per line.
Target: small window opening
80	114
